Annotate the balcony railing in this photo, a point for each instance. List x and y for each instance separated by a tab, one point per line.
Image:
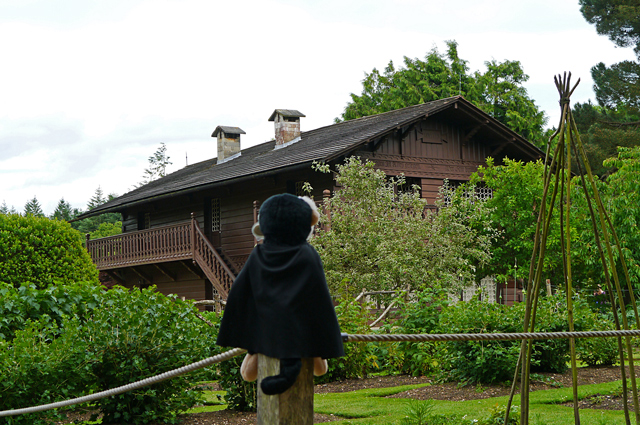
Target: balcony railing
163	244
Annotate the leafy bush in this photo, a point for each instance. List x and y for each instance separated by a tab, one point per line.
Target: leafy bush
358	359
37	369
480	361
42	252
27	303
127	336
137	334
494	361
241	395
420	315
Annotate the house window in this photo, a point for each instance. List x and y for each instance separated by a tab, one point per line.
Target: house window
215	215
481	192
299	188
147	220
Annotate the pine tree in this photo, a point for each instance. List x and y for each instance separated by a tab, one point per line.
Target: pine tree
5	210
157	165
33	208
63	211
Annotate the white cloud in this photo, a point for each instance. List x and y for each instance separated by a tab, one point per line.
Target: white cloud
92	88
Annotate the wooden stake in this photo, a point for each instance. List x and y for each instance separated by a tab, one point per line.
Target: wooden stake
294	406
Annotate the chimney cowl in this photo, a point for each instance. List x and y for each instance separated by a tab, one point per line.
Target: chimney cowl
228	142
287	125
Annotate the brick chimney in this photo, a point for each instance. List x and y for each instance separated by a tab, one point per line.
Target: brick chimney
228	141
287	125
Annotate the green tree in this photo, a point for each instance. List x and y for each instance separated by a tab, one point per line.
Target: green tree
621	195
42	252
603	130
498	91
63	211
617	85
157	165
92	224
32	207
380	237
515	204
617	19
503	96
6	210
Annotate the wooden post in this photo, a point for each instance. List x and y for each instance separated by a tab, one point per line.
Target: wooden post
294	406
326	194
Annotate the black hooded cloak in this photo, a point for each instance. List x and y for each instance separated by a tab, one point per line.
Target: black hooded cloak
279	305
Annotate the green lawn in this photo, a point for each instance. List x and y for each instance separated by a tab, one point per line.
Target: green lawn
372	406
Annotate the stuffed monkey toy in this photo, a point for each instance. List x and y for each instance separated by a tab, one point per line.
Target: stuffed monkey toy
279	305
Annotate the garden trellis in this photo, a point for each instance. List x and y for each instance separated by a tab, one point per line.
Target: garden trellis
558	183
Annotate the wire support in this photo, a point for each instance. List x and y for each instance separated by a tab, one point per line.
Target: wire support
129	387
485	337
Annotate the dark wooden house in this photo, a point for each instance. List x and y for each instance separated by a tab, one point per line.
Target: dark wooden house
189	233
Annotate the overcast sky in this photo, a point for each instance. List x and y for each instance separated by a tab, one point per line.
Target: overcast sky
89	89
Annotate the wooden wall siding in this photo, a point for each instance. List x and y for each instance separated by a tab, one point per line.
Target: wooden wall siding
186	285
430	188
435	139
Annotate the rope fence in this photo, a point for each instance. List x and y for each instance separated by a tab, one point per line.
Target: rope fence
345	337
129	387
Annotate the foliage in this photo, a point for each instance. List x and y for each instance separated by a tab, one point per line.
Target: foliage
376	235
33	208
138	334
42	252
420	314
63	211
91	224
126	336
503	96
36	368
497	414
241	395
517	195
358	359
157	165
107	229
419	412
617	19
498	91
617	85
621	196
51	305
6	210
494	361
480	361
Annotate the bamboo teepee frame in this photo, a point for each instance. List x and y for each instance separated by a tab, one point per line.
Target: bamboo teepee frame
558	180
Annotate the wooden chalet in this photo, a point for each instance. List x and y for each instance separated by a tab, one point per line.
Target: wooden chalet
189	233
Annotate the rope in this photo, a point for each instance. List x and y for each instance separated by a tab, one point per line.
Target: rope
133	386
345	337
485	337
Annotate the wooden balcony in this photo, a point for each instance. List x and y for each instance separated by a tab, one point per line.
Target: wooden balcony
178	242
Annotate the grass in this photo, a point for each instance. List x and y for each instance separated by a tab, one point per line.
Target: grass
373	406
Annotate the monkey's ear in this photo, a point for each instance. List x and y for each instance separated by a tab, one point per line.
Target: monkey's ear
315	216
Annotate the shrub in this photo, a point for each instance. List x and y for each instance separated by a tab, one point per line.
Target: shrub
137	334
42	252
27	303
420	315
480	361
358	359
37	369
241	395
125	337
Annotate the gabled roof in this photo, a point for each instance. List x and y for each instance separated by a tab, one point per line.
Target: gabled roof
227	130
287	113
322	144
